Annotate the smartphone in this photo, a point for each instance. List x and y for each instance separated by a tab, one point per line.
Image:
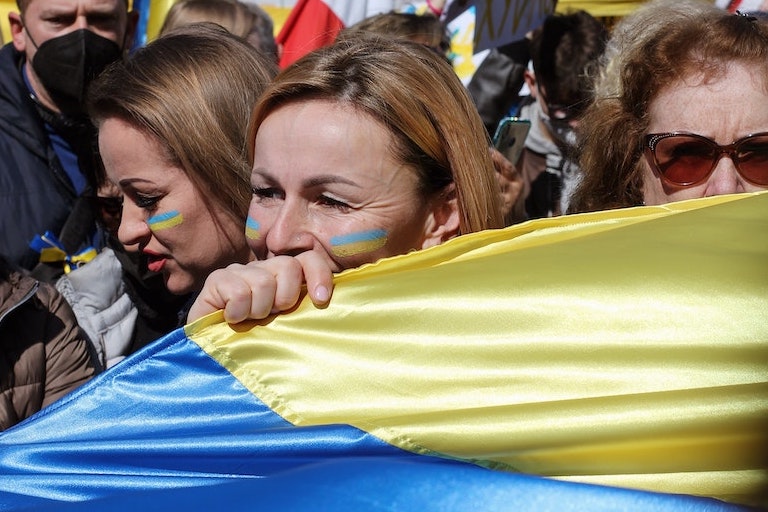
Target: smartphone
510	137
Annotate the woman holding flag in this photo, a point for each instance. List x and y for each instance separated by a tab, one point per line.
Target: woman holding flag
365	149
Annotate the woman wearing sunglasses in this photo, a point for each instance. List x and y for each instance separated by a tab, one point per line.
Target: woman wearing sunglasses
681	109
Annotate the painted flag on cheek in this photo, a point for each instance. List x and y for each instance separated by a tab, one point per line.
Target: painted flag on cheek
358	243
606	361
165	220
252	229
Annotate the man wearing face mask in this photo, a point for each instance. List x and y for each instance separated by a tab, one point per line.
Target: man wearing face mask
564	53
46	141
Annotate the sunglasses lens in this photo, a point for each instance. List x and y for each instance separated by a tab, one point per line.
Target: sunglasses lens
684	160
753	159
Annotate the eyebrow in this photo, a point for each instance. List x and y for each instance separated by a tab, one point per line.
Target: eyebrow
314	181
58	10
131	181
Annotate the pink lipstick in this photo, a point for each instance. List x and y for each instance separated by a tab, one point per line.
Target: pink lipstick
155	261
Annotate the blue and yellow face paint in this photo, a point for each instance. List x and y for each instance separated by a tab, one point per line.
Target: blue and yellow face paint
358	243
252	229
165	220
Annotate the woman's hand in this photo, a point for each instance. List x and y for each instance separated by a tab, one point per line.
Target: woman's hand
261	288
511	185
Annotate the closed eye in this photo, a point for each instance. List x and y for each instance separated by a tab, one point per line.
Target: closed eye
334	203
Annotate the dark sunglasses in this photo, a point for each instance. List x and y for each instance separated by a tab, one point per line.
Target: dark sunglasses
109	211
686	159
564	112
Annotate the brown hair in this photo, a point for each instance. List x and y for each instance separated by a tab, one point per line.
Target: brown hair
193	91
564	52
417	96
657	46
425	29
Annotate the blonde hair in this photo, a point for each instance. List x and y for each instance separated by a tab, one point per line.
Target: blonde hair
417	96
247	21
192	90
230	14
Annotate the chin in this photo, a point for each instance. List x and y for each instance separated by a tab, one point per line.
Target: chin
179	286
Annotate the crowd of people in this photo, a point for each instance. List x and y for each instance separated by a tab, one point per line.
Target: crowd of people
145	188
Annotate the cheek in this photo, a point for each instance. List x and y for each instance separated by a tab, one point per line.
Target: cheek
655	192
252	229
256	228
358	243
165	220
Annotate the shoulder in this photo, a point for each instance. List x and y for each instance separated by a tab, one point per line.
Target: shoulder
16	288
19	121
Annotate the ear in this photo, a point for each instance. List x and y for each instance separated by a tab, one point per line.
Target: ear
442	224
530	81
17	31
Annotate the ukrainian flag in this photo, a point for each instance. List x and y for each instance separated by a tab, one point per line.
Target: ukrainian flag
607	361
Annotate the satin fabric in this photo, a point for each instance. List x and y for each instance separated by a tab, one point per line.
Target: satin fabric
627	348
171	429
391	485
166	417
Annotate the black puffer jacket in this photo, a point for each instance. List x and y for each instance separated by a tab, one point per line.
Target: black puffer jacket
35	193
43	352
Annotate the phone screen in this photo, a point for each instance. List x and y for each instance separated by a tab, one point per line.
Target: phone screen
510	137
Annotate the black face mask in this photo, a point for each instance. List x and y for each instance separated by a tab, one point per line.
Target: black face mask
66	65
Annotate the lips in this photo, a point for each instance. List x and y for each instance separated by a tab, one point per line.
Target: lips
155	262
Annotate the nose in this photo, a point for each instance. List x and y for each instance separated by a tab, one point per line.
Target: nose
290	232
81	22
133	228
724	179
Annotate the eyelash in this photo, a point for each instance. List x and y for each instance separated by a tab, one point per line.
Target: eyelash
147	202
334	203
265	193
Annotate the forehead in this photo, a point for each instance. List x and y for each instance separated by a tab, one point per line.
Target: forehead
723	106
318	137
73	5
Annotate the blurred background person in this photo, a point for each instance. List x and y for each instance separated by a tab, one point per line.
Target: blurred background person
564	57
246	20
423	29
43	352
58	47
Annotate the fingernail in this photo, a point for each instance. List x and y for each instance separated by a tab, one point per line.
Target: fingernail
321	294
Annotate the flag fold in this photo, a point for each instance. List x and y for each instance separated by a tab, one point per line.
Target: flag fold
564	359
